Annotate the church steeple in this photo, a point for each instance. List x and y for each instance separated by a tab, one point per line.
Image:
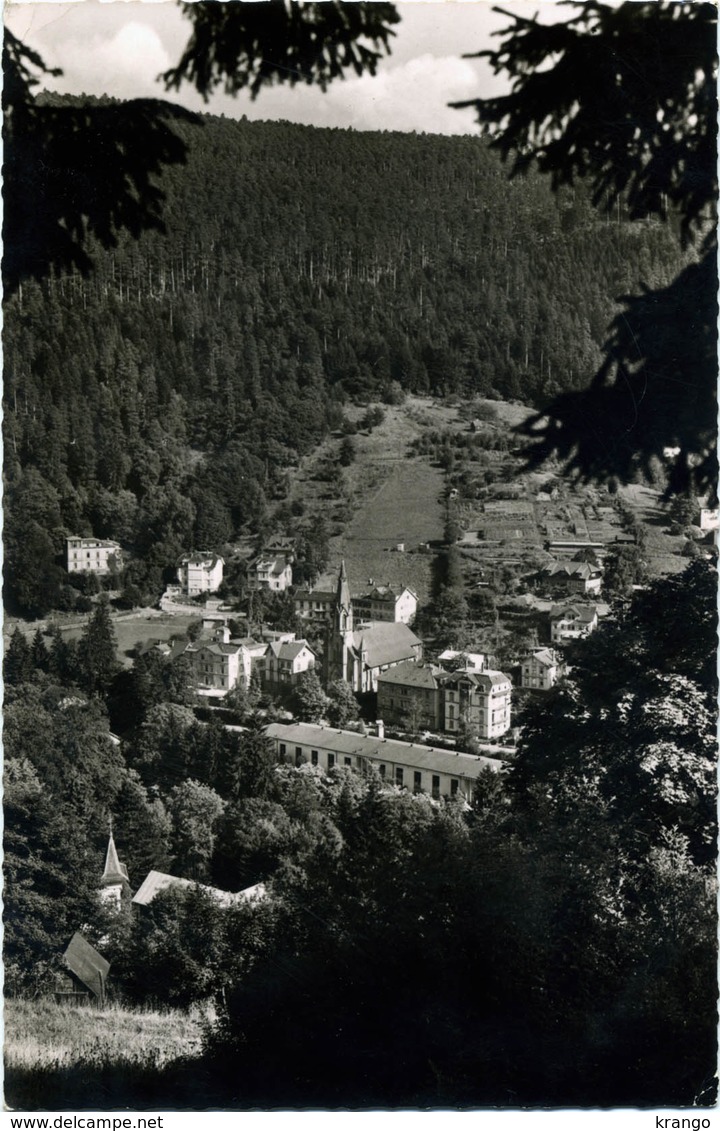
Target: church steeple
343	603
114	882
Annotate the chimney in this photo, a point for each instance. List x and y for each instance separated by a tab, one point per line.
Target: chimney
380	728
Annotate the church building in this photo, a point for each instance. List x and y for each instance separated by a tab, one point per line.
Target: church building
359	651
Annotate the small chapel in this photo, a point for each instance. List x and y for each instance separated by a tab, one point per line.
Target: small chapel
114	888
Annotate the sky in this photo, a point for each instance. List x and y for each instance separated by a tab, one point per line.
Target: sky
119	47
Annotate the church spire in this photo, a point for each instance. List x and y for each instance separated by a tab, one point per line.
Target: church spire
115	872
343	604
114	883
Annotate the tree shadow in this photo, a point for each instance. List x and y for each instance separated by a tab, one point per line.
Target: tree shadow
656	390
76	168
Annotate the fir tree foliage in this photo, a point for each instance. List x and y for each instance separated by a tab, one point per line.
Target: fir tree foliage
624	97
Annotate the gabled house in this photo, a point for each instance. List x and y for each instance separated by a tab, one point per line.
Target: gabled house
408	696
570	622
386	603
285	662
93	555
219	663
272	572
200	573
478	699
280	544
317	603
571	578
540	670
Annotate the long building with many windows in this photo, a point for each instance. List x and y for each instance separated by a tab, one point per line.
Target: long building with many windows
422	769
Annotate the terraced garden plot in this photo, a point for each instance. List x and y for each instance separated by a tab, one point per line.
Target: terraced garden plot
662	549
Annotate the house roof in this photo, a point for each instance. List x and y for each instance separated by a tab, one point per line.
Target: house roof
156	882
291	650
86	964
388	750
203	559
288	649
409	674
276	564
324	589
586	614
378	593
474	660
385	642
543	656
385	593
583	570
216	647
95	543
486	680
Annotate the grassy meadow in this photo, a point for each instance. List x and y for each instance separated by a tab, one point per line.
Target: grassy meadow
60	1056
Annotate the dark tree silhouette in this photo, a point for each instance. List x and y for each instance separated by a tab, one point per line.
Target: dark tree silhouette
626	98
77	170
254	45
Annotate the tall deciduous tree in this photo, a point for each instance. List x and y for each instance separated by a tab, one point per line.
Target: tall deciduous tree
343	707
310	701
194	809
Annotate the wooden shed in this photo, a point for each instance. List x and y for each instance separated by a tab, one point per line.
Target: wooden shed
85	976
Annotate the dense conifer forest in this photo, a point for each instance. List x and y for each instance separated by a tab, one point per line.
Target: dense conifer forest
139	397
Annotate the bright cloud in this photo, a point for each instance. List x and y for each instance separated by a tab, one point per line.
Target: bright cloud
125	65
414	96
120	48
410	97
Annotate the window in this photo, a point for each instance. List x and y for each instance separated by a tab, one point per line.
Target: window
314	757
454	786
283	749
298	755
436	787
331	761
382	770
398	775
347	761
417	781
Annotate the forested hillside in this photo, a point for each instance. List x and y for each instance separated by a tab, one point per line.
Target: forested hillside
158	400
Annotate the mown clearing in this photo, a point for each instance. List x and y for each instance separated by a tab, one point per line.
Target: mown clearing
59	1056
407	509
